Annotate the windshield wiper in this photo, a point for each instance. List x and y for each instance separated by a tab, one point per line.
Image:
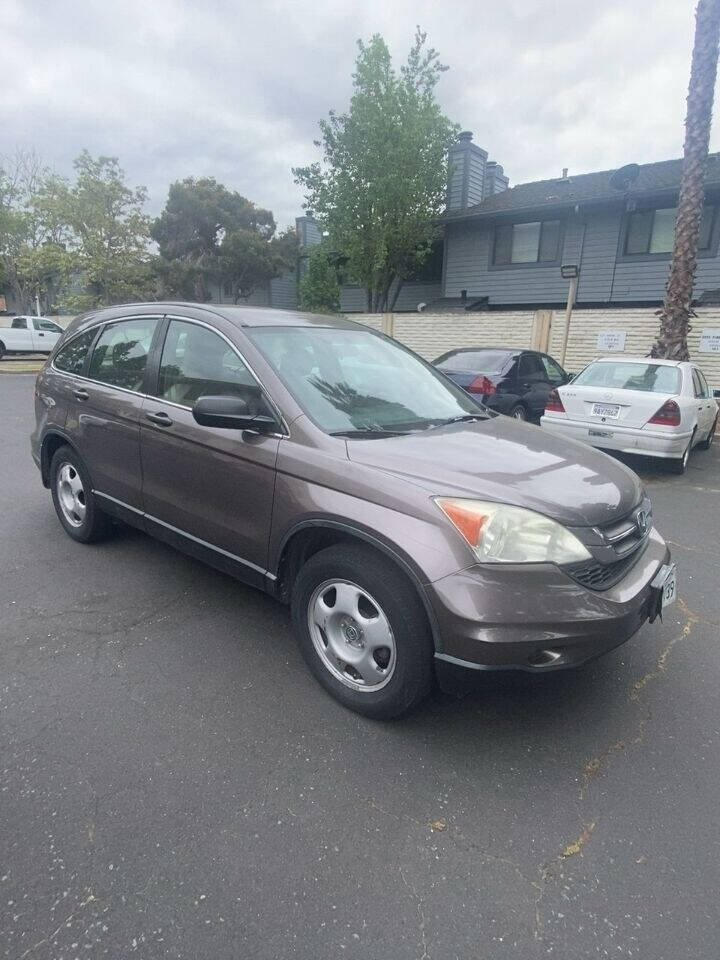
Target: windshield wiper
465	418
369	433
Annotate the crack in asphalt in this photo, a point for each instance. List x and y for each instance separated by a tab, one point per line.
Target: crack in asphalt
593	766
421	916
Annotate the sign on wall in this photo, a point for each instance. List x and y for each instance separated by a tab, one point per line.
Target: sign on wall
611	340
710	341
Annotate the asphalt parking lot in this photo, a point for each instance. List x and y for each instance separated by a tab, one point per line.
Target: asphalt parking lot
175	785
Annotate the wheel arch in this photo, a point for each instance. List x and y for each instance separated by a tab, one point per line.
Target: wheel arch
51	442
310	536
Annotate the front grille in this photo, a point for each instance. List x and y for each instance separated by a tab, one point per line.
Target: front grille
617	546
601	576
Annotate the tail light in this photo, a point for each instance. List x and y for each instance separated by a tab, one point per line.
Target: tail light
481	384
553	403
668	415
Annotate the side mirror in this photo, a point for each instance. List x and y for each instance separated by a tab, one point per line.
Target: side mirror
230	413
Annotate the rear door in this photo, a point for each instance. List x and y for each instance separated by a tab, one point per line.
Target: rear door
706	405
533	383
211	488
105	419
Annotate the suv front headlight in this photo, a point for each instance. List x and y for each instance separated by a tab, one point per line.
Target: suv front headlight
499	533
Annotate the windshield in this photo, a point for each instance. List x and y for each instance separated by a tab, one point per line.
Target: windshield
357	381
485	361
651	377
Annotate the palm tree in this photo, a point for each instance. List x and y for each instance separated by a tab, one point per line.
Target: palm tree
677	308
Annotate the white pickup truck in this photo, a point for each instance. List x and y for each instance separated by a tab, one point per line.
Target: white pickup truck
29	335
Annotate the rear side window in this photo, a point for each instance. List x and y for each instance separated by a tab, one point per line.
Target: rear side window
19	323
554	371
197	362
531	367
71	358
120	355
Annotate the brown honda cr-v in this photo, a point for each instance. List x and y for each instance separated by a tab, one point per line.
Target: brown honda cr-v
414	533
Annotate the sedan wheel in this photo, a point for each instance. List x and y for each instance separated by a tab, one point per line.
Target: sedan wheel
518	412
707	443
680	466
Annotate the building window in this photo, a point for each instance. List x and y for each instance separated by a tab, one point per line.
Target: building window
653	231
535	242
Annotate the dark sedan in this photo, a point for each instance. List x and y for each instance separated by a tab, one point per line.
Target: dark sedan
514	382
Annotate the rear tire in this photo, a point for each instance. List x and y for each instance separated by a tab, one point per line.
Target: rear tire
74	502
707	443
363	631
680	466
518	412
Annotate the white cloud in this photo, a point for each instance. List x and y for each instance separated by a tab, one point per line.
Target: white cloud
235	89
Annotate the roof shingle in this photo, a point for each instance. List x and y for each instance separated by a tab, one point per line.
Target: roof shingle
587	187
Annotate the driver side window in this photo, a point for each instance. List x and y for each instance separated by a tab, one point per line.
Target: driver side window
197	362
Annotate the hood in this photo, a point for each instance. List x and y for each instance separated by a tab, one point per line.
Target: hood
508	461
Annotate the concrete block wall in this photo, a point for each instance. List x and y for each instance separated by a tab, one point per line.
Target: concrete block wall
431	335
641	326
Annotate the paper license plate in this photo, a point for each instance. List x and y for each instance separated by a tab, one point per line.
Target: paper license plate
606	410
669	589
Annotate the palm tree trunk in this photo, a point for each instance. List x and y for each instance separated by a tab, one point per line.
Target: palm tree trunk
677	308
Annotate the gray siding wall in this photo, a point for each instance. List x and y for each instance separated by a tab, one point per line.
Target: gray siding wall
353	299
605	277
284	292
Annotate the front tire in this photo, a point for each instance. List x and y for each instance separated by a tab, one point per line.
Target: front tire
362	631
2	349
74	502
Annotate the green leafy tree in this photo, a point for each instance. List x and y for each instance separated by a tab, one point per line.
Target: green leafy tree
199	217
109	235
382	181
35	263
319	284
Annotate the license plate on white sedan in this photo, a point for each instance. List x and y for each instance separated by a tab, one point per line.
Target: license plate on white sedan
606	410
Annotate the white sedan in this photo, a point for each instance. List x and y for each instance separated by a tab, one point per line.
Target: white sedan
657	408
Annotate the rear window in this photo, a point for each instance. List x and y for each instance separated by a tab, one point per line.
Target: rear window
649	377
482	361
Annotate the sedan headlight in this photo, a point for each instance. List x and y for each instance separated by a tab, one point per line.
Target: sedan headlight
499	533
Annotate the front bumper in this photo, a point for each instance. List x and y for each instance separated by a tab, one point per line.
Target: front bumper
611	436
534	617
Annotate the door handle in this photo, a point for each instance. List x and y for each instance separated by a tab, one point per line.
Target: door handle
41	334
81	394
160	418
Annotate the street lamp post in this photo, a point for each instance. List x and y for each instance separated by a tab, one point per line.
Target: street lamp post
571	272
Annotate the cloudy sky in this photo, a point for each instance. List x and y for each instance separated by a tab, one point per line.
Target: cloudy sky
234	89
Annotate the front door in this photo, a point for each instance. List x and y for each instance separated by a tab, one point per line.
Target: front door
104	419
45	334
212	488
